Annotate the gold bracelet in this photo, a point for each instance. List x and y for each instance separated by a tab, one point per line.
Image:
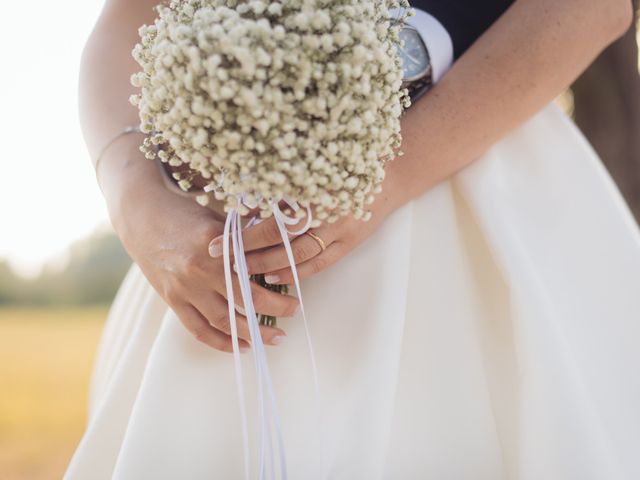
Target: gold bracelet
125	131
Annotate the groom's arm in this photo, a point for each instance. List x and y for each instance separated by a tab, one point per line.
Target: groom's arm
521	63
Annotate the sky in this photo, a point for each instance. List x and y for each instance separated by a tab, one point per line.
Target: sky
48	193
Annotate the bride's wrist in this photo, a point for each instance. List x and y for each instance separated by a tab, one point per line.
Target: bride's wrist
128	180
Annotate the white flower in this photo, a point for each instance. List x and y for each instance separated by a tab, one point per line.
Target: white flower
203	199
272	99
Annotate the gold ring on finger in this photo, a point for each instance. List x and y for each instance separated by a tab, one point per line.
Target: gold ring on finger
318	240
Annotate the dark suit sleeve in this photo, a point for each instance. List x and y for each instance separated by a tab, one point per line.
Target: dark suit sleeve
465	20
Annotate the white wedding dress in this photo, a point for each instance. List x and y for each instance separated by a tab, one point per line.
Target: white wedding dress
488	330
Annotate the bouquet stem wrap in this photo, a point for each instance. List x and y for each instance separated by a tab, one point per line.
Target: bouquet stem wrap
270	424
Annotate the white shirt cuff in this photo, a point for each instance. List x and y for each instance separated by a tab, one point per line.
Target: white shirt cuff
437	40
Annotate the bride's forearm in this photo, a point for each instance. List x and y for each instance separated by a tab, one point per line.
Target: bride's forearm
519	65
104	90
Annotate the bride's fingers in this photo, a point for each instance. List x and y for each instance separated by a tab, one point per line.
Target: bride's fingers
265	301
331	255
275	258
215	309
261	235
200	328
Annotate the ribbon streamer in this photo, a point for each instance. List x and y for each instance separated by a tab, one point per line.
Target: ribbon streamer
269	416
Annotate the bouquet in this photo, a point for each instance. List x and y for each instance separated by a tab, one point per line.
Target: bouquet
294	102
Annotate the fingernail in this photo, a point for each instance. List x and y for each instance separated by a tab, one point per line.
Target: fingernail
244	349
277	340
272	278
215	248
241	310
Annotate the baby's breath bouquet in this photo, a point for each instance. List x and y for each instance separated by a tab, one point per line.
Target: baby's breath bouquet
295	101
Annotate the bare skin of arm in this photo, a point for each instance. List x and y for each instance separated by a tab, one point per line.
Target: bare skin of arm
165	234
528	57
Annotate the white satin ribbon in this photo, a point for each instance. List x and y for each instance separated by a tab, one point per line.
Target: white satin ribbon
234	339
282	220
269	415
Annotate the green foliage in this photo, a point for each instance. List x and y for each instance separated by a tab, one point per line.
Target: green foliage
92	275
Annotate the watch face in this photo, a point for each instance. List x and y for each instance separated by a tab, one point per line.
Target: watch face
414	55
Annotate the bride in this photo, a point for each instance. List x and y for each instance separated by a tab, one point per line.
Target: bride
483	325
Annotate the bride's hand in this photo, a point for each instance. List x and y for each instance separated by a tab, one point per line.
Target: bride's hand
266	254
168	236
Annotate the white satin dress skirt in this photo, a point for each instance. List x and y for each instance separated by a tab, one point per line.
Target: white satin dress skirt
488	330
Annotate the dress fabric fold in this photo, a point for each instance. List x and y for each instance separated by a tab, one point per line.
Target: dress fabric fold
487	330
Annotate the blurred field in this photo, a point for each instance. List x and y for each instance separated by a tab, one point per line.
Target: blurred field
46	357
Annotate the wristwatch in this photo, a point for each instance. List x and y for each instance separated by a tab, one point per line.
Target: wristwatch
427	53
417	71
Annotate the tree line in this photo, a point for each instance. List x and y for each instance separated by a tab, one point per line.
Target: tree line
94	270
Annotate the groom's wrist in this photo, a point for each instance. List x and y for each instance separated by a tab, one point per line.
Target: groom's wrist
403	182
392	195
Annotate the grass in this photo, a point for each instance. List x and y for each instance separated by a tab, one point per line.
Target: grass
46	357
